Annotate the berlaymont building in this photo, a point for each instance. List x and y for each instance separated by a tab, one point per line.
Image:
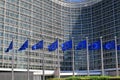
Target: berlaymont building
49	20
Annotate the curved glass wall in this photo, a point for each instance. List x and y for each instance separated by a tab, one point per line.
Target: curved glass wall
93	21
51	19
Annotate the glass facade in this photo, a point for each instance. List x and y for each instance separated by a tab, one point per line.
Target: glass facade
93	21
51	19
33	19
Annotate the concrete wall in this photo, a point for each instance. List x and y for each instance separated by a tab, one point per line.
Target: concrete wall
37	77
40	77
112	73
17	76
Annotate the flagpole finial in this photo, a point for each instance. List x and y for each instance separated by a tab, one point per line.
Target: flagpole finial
87	37
101	37
13	37
29	37
56	37
42	35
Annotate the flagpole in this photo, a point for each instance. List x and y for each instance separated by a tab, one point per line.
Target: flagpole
58	60
43	62
116	57
88	71
73	67
28	61
43	71
13	62
102	61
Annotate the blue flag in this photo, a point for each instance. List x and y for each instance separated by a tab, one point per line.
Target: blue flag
118	47
53	46
67	45
109	45
95	45
39	45
81	45
10	46
24	46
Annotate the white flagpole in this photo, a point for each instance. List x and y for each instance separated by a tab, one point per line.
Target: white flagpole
43	71
88	70
28	61
58	60
116	57
43	62
73	67
102	61
13	63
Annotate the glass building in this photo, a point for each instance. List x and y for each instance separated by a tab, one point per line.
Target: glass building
93	19
34	20
50	19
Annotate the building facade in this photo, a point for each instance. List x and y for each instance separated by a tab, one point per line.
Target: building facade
93	19
34	20
51	19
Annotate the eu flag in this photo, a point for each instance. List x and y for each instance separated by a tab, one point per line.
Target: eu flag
38	45
109	45
24	46
67	45
10	46
53	46
95	45
118	47
81	45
